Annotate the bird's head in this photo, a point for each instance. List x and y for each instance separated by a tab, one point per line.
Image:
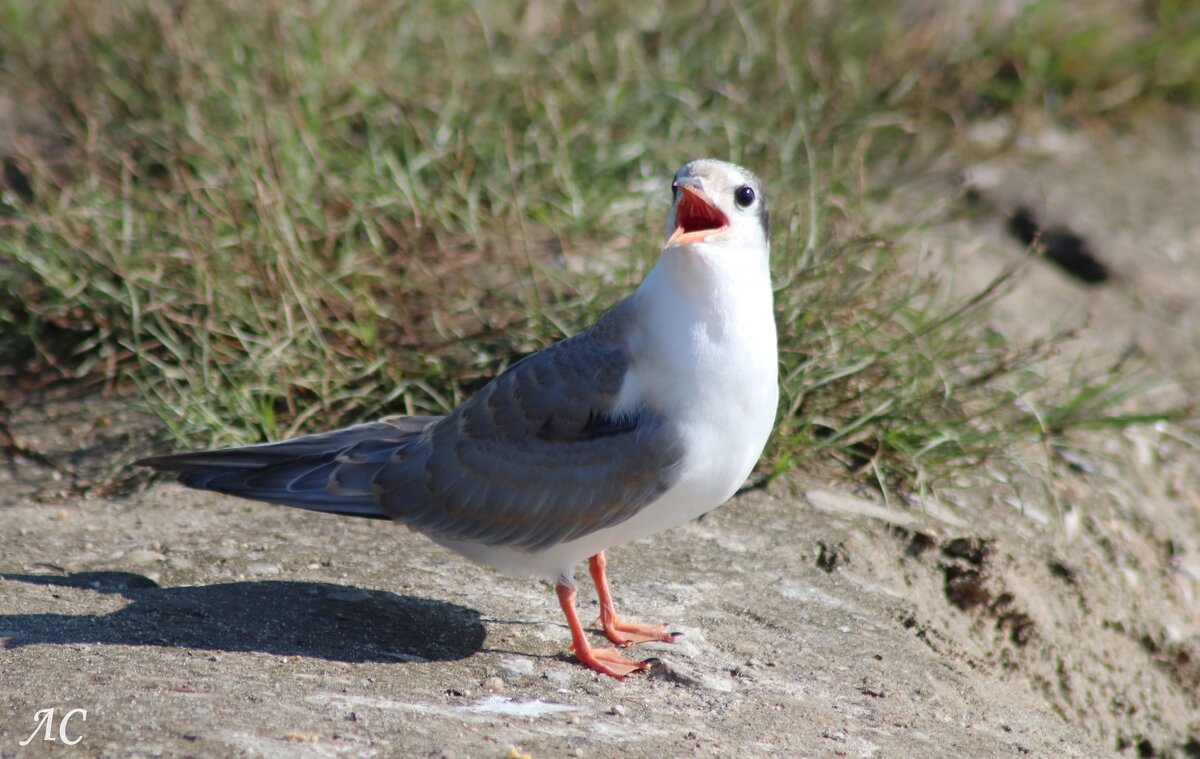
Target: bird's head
717	203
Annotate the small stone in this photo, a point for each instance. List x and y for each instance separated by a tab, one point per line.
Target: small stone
493	684
512	669
617	710
830	557
673	672
744	672
558	678
262	568
142	556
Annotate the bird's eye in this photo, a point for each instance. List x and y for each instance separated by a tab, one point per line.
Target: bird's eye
674	191
743	196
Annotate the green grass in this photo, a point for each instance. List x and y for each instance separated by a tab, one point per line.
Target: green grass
267	218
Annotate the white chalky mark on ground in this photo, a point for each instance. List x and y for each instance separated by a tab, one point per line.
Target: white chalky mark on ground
491	706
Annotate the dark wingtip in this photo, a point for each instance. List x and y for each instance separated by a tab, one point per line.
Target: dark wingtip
162	462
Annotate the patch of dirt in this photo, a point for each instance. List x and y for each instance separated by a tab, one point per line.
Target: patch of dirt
1087	587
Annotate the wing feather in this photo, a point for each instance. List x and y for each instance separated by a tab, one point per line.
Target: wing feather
538	457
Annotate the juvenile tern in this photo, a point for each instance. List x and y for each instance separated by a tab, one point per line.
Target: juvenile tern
651	417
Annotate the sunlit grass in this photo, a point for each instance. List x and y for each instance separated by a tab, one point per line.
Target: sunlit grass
267	218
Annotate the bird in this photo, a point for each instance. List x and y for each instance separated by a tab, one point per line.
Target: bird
651	417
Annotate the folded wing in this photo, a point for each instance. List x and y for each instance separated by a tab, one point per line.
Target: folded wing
540	456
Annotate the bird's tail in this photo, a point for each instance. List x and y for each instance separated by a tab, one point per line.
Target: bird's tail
329	472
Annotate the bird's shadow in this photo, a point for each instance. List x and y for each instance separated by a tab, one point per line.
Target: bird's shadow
311	619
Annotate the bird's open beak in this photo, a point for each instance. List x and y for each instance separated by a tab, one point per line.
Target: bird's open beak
695	217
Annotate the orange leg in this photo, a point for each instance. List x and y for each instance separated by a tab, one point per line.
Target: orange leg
618	631
606	661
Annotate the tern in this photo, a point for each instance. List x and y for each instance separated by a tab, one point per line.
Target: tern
653	416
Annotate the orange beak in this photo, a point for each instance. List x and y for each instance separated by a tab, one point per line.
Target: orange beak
695	217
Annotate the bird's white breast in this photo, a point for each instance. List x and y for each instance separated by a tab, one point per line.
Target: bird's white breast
710	365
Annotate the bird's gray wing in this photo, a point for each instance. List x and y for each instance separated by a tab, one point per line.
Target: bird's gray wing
537	457
328	471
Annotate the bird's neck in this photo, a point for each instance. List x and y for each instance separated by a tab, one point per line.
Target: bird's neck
722	290
697	336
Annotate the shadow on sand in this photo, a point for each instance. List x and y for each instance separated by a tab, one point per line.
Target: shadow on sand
320	620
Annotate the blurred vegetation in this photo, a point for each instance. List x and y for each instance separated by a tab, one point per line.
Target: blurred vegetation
273	217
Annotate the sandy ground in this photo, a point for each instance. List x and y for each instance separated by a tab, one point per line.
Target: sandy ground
1047	612
192	625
